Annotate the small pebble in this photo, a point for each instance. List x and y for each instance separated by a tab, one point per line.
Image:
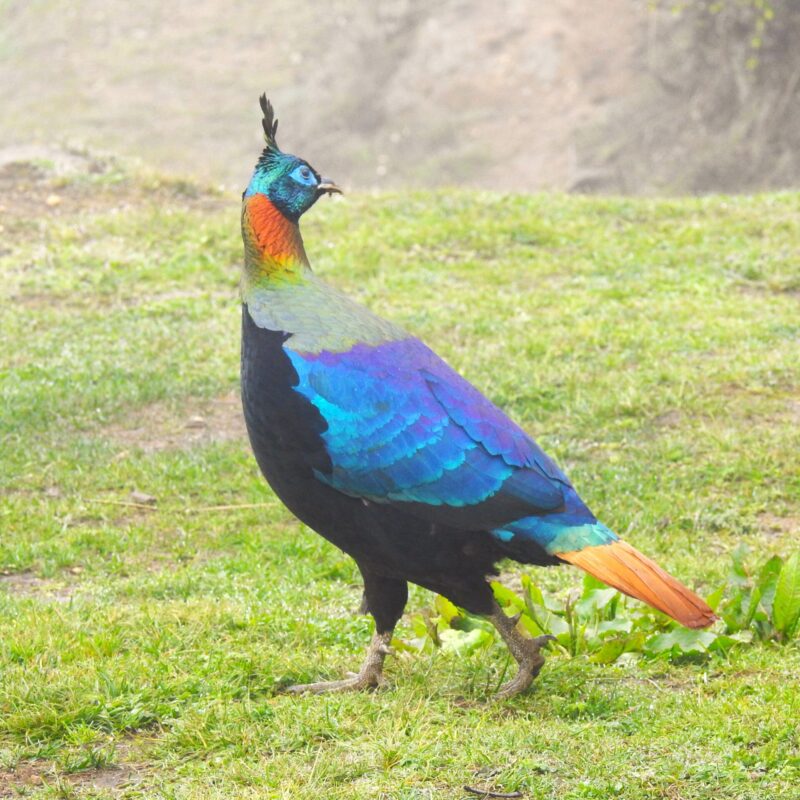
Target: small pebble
143	498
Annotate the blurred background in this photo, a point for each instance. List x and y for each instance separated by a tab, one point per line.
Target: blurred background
622	96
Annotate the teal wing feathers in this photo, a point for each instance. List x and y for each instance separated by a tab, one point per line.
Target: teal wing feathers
404	428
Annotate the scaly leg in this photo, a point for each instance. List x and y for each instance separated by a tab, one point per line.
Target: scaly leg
384	598
526	652
370	676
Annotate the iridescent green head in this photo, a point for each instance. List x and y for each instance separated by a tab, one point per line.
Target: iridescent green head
289	182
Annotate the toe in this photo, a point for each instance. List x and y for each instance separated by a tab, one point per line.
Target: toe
356	683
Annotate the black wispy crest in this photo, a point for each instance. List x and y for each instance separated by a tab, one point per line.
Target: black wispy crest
269	122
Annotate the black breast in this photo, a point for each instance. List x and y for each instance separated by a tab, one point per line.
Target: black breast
284	427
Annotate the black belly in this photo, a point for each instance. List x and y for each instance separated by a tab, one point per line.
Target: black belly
285	432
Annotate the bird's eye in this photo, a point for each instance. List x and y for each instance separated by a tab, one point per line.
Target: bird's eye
304	175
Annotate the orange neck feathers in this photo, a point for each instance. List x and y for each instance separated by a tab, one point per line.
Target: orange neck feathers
273	245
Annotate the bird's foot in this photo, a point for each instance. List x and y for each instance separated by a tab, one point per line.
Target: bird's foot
530	665
356	683
370	676
526	652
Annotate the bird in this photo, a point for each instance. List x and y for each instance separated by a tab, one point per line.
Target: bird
377	444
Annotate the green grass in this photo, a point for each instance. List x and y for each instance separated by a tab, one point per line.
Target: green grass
650	345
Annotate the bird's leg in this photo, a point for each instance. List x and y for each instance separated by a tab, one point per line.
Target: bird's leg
384	598
370	676
526	652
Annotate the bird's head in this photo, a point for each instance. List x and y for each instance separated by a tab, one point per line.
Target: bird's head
290	183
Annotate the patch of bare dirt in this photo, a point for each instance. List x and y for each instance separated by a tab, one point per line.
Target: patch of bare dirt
26	584
760	289
26	775
18	782
669	419
197	423
30	191
775	526
38	184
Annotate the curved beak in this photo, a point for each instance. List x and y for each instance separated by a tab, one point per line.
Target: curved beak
327	186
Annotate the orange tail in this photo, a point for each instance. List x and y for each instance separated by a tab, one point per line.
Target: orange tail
625	568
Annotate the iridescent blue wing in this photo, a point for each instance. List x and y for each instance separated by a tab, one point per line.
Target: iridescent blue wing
403	428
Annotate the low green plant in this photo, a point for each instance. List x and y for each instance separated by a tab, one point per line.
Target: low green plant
600	623
764	602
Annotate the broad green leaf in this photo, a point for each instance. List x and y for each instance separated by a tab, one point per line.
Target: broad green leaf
594	602
469	622
418	625
752	607
611	650
715	598
446	609
738	572
454	641
590	583
768	581
532	592
556	625
540	616
506	597
553	605
410	646
786	604
431	627
679	641
722	643
733	612
634	643
614	649
531	625
615	626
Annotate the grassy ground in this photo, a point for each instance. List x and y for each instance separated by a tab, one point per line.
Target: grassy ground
651	346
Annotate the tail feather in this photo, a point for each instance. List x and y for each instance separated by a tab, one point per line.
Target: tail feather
625	568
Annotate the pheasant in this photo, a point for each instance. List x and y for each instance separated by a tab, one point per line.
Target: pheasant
374	442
